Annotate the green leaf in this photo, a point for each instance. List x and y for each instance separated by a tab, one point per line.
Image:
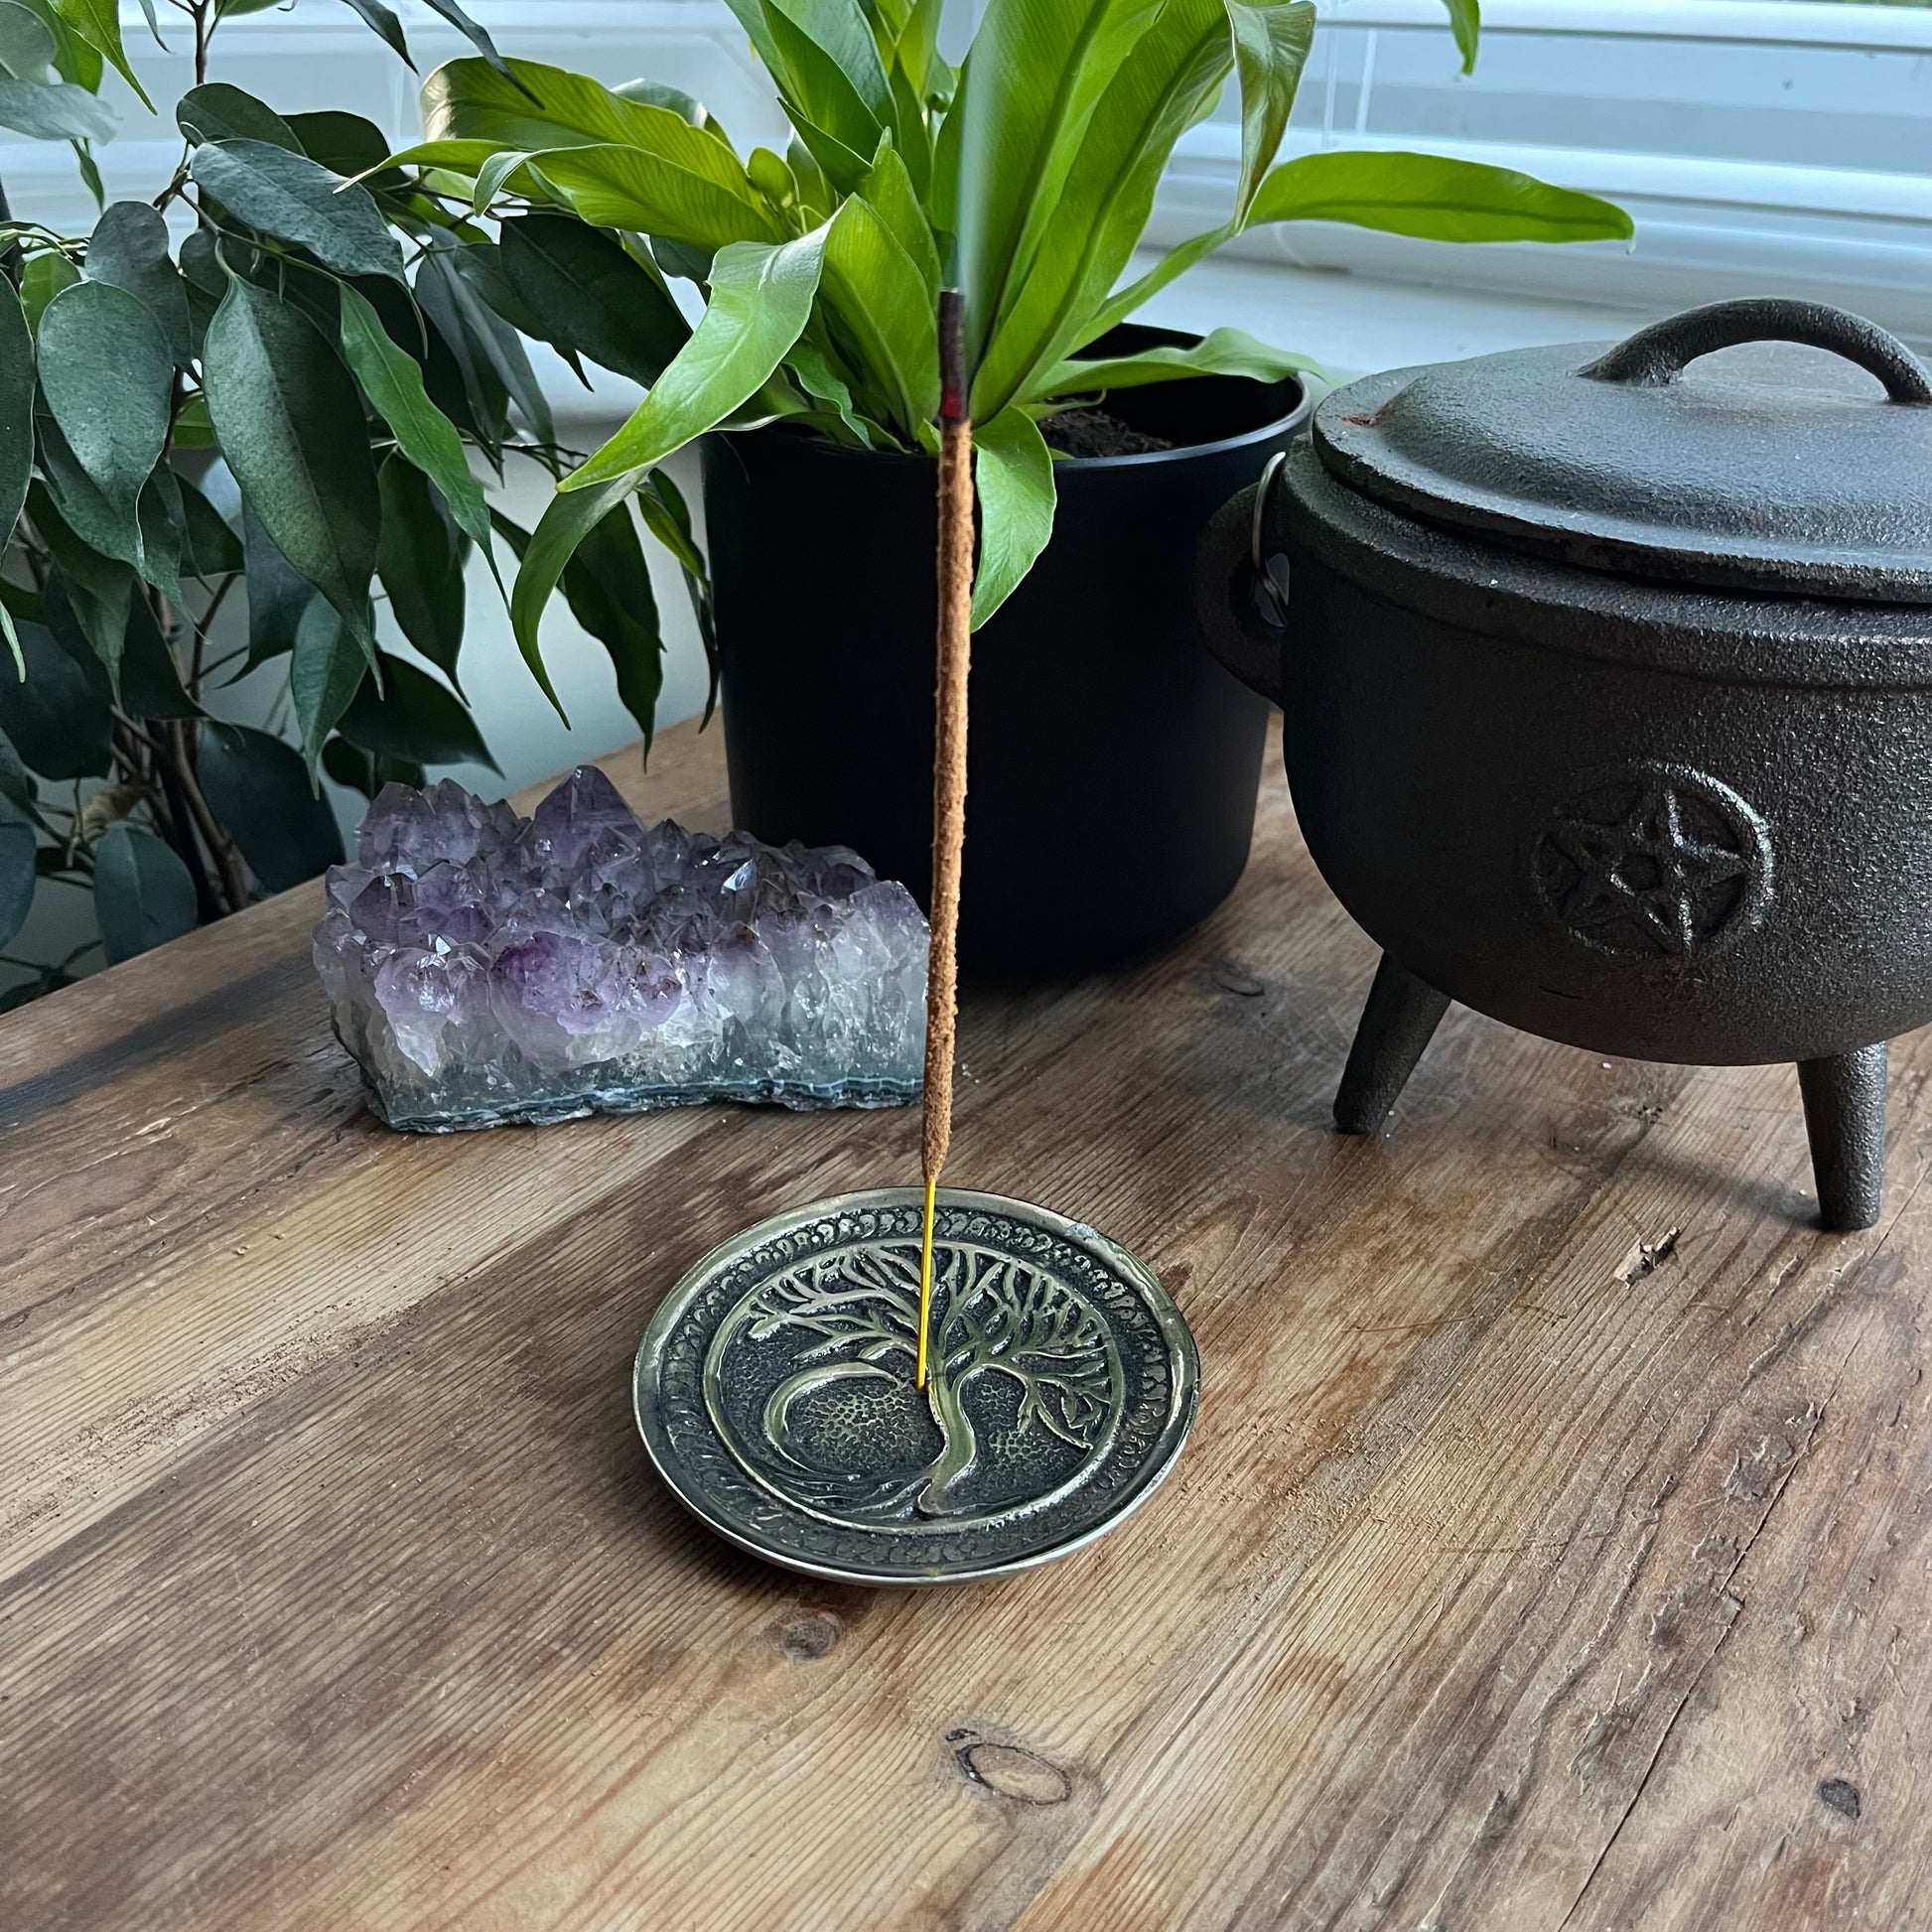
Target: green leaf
212	550
143	895
588	293
14	781
460	375
293	431
259	789
415	718
1465	20
43	277
889	188
1015	473
58	719
327	667
16	408
219	112
881	299
653	94
345	144
149	680
106	371
383	20
685	196
450	293
98	23
1435	197
393	382
481	40
1227	352
18	877
821	97
129	250
567	520
534	107
606	585
279	596
27	43
811	369
297	199
761	300
1271	39
668	519
349	764
54	111
1175	78
1038	71
421	564
96	588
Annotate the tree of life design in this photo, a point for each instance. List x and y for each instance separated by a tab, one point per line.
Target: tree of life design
855	1312
1653	860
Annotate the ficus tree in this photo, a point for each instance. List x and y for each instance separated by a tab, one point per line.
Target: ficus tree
1025	178
267	392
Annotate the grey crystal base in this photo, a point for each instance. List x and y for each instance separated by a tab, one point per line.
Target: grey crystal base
426	1113
776	1389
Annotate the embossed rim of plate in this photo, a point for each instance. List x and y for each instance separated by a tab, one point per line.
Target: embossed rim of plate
1182	1354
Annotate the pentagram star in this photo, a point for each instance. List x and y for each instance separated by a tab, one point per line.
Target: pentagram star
1645	868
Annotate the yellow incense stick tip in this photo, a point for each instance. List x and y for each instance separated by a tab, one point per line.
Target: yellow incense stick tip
926	1280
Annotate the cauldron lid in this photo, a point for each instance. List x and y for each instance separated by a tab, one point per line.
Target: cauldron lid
1784	473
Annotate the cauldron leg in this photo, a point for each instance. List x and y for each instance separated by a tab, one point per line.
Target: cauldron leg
1845	1114
1402	1013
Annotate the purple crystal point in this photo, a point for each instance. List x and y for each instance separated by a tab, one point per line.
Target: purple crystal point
486	968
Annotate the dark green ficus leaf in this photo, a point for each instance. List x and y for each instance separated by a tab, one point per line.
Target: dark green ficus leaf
57	719
43	277
383	20
18	877
219	112
488	338
607	588
278	593
93	589
106	370
477	37
129	250
585	292
393	382
27	45
349	764
297	199
15	410
668	518
344	143
143	896
323	673
421	564
258	787
210	549
14	781
414	718
54	112
203	283
150	679
446	303
293	431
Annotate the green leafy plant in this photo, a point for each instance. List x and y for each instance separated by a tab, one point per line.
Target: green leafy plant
1027	179
266	379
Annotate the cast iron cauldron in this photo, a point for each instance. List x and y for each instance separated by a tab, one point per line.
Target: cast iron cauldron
1607	687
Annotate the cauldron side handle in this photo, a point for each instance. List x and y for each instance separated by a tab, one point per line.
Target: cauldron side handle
1227	596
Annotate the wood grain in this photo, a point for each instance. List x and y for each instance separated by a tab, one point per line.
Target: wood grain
1552	1551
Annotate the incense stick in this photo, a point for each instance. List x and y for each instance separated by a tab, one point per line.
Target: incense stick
948	775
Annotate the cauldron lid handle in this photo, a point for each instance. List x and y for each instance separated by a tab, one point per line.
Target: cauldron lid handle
1658	354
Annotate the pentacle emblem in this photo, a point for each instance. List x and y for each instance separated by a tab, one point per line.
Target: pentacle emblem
1652	859
776	1389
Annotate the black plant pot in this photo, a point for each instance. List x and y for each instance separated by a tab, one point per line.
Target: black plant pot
1113	763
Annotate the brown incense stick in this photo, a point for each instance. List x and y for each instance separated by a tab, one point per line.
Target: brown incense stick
948	773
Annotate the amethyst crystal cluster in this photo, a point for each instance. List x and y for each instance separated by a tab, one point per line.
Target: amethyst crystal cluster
486	968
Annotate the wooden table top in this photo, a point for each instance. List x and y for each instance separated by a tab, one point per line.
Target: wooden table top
1552	1550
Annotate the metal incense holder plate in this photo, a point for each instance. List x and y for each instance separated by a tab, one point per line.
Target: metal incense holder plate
775	1392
